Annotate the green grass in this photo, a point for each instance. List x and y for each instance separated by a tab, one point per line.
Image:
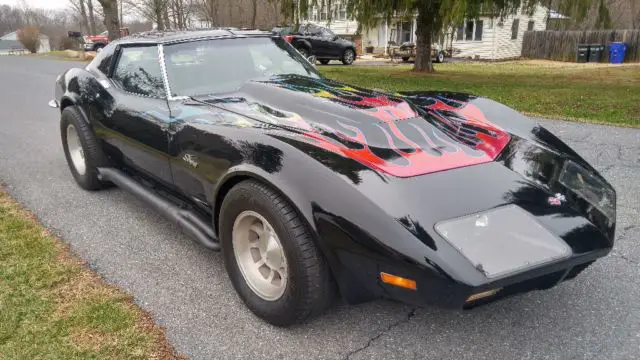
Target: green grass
53	307
594	93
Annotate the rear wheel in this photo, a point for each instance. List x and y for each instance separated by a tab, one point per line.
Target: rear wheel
405	59
271	258
82	149
348	57
304	52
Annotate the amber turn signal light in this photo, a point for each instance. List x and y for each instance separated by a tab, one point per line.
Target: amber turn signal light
398	281
482	295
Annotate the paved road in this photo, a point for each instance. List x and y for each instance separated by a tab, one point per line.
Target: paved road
597	316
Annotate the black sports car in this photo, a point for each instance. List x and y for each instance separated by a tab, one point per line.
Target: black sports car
312	187
318	41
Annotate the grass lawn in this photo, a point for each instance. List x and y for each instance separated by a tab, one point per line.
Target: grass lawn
589	92
53	307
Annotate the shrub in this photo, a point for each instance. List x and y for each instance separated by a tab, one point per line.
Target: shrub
30	38
67	43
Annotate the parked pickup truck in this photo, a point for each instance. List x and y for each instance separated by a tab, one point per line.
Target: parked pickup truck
407	51
96	42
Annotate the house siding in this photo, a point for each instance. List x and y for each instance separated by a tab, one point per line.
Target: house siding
496	41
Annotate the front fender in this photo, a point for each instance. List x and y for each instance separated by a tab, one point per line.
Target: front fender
354	234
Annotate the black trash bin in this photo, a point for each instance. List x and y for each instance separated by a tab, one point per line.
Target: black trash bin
583	53
595	52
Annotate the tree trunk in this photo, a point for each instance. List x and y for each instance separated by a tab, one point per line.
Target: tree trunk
167	22
83	15
255	13
111	22
157	12
424	34
92	19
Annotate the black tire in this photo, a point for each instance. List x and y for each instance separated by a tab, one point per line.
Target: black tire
93	155
304	52
348	56
405	59
324	61
310	287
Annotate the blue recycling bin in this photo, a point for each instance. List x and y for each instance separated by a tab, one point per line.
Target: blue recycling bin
617	52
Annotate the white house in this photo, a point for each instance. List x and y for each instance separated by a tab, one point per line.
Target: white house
10	41
484	38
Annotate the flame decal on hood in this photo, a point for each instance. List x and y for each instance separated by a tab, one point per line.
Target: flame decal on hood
400	135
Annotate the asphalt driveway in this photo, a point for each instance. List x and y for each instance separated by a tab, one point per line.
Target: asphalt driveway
596	316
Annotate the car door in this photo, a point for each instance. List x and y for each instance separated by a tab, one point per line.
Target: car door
331	47
136	123
317	41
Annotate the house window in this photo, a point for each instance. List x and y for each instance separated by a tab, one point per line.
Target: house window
468	31
479	28
343	13
530	25
460	34
514	29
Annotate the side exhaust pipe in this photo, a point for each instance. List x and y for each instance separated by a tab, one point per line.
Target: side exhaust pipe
190	223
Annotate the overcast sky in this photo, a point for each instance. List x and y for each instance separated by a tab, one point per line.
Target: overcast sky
46	4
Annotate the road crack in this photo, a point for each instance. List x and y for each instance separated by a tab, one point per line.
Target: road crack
624	257
371	340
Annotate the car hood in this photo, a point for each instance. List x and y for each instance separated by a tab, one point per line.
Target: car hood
394	134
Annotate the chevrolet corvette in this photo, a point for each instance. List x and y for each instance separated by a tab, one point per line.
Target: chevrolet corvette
314	189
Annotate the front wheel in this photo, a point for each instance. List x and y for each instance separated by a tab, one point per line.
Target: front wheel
82	149
271	257
348	57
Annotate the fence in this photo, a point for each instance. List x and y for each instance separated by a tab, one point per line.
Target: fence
562	45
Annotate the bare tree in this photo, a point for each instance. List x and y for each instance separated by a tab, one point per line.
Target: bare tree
78	5
92	19
111	21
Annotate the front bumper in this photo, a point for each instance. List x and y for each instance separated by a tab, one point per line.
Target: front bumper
435	288
447	293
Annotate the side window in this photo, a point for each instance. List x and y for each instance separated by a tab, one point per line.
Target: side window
313	30
105	64
531	25
514	29
479	29
468	33
138	71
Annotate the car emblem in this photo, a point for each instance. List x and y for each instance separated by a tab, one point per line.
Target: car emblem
191	160
557	199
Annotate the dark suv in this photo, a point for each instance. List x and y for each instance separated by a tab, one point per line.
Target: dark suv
319	41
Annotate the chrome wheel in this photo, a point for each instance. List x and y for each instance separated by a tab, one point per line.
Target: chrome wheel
349	56
259	255
76	153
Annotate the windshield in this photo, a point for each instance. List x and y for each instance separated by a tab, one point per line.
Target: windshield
210	67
